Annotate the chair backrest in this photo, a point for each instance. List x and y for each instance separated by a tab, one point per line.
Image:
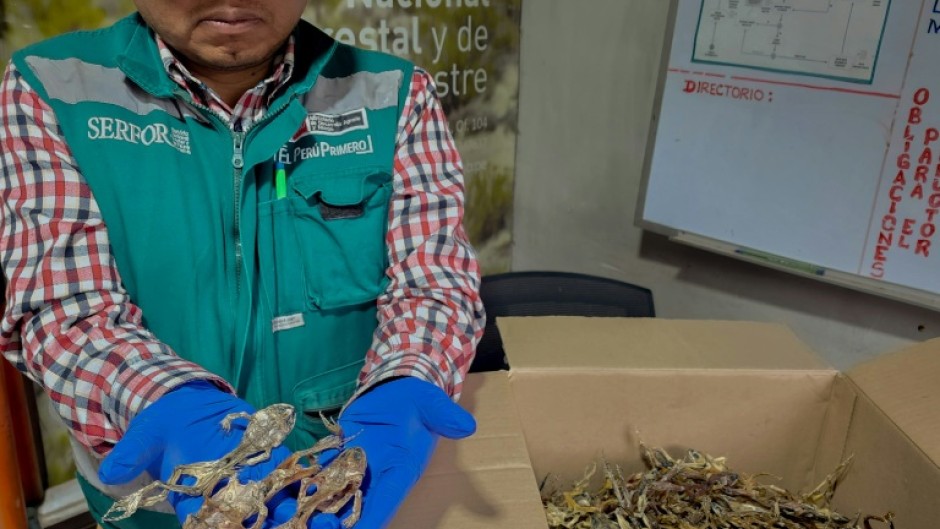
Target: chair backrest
551	294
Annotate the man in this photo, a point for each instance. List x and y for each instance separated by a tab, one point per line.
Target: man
212	198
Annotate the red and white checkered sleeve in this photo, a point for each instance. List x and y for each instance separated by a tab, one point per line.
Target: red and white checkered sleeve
430	316
68	322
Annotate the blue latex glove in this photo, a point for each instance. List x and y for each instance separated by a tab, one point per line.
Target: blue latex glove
184	426
397	424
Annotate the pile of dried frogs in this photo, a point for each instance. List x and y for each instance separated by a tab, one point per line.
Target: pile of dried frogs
696	492
229	503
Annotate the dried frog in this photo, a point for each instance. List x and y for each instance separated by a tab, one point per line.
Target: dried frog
336	485
266	430
236	502
695	491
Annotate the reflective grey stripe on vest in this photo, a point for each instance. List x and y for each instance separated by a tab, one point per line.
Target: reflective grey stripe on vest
75	81
374	91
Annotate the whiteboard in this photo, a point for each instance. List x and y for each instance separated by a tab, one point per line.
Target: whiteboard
803	134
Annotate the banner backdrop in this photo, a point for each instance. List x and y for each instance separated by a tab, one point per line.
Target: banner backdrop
470	47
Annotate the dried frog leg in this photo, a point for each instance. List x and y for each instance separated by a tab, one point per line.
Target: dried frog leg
128	505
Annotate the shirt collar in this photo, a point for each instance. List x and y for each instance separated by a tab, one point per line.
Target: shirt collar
283	69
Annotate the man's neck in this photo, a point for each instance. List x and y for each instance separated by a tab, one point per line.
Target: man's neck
230	85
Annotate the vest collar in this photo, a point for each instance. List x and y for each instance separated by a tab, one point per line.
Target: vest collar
140	62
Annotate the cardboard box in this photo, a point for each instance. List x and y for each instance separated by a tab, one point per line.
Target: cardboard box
581	388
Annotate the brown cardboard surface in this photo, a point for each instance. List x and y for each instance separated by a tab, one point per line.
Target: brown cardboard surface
762	421
750	392
582	388
484	481
564	342
830	450
905	385
889	473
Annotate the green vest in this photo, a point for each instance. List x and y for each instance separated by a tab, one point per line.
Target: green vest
278	296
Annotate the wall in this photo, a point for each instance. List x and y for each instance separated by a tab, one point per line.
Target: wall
588	79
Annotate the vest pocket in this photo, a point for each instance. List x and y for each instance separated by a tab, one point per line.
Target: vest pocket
341	220
326	392
282	268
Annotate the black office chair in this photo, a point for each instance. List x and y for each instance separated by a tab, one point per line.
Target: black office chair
551	294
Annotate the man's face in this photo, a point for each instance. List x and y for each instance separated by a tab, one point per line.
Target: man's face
223	34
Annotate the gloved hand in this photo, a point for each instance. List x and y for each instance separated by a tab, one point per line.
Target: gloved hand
397	424
184	426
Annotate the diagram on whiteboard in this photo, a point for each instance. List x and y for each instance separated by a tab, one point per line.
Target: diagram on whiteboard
837	39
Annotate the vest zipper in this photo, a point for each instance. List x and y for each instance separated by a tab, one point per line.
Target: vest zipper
238	163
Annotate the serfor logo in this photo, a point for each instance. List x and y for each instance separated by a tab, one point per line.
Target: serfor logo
108	128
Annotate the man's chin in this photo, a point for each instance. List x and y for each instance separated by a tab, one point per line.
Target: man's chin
231	61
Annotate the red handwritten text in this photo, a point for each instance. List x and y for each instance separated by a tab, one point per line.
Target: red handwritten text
731	91
912	183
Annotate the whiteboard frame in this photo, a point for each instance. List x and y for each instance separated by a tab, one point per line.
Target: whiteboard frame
756	256
639	219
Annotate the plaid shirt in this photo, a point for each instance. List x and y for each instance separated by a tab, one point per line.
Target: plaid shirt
70	325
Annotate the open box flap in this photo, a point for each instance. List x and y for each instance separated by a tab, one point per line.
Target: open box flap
649	343
905	385
483	481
